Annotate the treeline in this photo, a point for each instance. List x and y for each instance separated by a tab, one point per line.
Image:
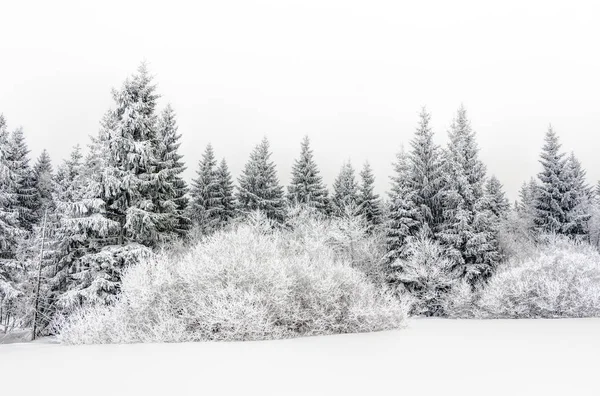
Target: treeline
67	234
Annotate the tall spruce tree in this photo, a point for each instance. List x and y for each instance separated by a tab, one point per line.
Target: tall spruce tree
369	204
120	207
10	232
345	191
259	187
467	230
552	198
403	218
205	193
171	198
26	194
427	177
9	219
306	186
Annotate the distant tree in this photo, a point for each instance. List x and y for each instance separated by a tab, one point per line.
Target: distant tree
578	200
369	204
345	190
403	217
171	199
553	193
206	199
259	187
226	211
44	184
306	186
498	203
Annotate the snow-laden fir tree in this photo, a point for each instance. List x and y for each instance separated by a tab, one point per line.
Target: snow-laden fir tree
552	201
120	210
306	186
498	203
579	199
9	217
171	198
259	187
403	217
26	193
43	183
226	209
368	203
206	202
345	191
10	232
468	230
427	177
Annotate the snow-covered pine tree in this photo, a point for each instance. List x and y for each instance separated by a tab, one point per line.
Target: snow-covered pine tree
259	187
403	218
9	219
578	200
306	186
468	230
369	204
427	177
498	203
130	183
525	205
171	199
43	183
206	202
26	194
345	191
226	211
10	232
551	201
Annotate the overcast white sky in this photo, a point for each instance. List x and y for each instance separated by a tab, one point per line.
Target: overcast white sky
350	74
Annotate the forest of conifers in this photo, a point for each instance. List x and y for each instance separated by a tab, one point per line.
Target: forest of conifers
444	241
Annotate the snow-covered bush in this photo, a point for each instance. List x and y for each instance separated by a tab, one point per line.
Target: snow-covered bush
426	274
251	283
561	280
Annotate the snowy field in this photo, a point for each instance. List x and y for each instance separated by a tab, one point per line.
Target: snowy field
432	356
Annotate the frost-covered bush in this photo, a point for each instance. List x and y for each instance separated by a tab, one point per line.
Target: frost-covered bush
426	274
561	280
254	282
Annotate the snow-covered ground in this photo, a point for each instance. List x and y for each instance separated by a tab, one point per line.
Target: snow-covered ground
432	356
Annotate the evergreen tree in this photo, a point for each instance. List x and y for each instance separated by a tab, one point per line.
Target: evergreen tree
551	203
403	218
9	220
171	197
10	231
206	199
120	208
468	230
369	204
307	186
26	194
43	183
427	178
498	203
226	210
259	187
578	200
345	191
